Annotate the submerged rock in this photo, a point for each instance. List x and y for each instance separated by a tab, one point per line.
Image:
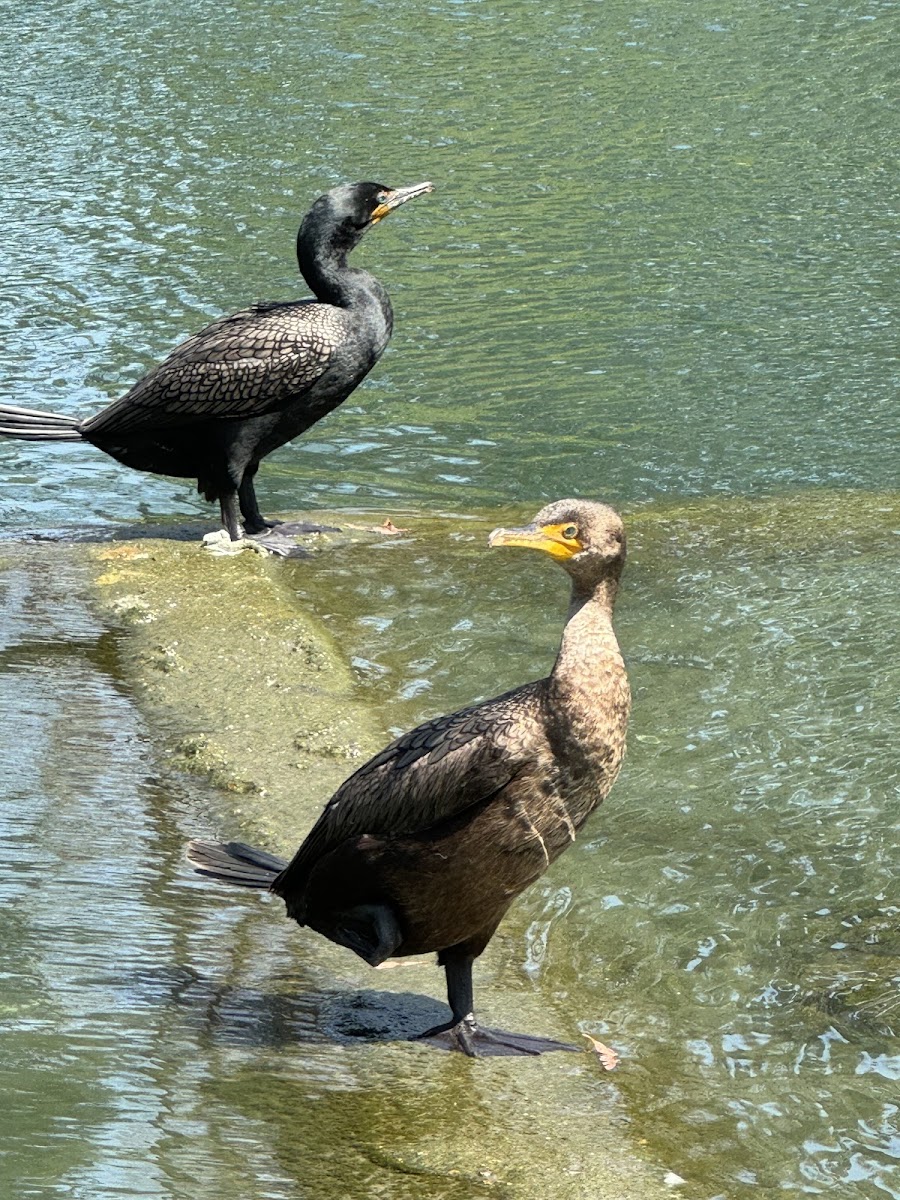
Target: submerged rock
239	679
248	689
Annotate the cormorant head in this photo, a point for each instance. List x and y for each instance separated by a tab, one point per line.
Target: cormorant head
585	537
340	217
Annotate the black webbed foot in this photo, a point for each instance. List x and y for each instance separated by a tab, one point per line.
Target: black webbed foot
277	542
281	539
479	1042
260	524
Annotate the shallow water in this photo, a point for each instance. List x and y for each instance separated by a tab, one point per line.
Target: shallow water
163	1039
660	268
733	914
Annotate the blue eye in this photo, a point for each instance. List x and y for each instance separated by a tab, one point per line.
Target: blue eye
570	532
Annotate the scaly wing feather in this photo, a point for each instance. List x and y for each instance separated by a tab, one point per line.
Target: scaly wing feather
241	366
427	776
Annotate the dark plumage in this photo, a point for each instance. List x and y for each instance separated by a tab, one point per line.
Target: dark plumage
426	846
250	382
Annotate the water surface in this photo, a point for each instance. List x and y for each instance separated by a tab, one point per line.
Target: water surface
660	268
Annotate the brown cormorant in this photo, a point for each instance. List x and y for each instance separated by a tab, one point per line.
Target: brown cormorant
250	382
426	846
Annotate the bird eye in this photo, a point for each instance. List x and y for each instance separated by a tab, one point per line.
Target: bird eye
570	532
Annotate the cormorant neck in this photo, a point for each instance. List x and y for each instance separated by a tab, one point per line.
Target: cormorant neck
588	635
330	279
587	700
601	594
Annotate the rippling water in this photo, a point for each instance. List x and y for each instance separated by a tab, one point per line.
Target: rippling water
660	267
734	914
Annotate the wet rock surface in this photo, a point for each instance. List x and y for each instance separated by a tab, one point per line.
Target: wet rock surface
248	691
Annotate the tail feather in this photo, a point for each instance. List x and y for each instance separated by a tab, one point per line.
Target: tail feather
233	862
32	425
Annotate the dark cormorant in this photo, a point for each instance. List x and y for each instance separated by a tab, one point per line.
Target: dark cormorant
426	846
250	382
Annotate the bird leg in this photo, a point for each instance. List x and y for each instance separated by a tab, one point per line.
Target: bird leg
462	1031
228	504
254	521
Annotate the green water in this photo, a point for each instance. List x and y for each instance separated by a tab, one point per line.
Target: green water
734	915
659	268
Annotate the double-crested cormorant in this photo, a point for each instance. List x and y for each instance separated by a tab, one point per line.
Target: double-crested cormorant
250	382
426	846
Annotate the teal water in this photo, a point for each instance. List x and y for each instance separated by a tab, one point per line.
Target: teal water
660	267
734	914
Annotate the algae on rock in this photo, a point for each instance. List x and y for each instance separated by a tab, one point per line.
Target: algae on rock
249	688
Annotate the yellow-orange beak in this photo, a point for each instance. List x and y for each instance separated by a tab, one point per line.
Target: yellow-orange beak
548	538
400	196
